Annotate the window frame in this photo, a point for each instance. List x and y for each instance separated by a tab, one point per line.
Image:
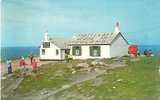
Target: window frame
46	44
75	48
91	50
57	52
43	51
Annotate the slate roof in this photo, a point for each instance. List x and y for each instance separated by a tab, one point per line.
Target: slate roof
93	38
61	43
86	38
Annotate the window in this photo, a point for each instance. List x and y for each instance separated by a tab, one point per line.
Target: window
43	51
46	44
76	50
57	52
95	51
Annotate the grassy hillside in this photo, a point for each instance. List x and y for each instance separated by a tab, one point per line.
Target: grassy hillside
138	80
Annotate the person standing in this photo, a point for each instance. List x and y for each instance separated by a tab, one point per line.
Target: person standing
23	64
66	58
9	65
145	52
34	65
31	57
150	52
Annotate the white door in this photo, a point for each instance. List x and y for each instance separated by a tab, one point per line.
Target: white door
62	54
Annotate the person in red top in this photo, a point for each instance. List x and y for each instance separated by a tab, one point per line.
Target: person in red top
34	65
23	64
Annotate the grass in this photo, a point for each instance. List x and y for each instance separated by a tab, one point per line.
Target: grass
48	76
139	81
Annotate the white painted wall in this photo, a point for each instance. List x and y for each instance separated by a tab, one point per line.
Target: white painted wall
85	53
50	53
119	47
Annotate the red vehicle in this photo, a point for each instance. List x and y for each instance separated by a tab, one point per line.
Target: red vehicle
133	49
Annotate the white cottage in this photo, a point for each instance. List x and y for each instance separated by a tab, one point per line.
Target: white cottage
99	45
53	49
85	46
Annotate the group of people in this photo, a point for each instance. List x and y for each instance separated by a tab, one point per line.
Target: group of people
23	64
148	53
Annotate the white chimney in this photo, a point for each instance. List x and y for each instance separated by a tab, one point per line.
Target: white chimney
74	37
46	39
117	28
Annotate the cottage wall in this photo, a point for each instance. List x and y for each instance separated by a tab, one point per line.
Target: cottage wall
119	47
50	53
85	53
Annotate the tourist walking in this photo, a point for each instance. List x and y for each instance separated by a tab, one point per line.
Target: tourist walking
23	64
9	66
34	65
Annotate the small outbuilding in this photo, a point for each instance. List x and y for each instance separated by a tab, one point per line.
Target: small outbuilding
53	49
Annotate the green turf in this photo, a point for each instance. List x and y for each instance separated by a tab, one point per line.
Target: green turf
45	78
140	80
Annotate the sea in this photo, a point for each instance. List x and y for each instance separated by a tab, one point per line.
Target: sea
17	52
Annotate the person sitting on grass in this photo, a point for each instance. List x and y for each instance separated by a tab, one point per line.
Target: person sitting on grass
34	65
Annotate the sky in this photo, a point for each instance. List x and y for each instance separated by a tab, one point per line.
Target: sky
23	22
